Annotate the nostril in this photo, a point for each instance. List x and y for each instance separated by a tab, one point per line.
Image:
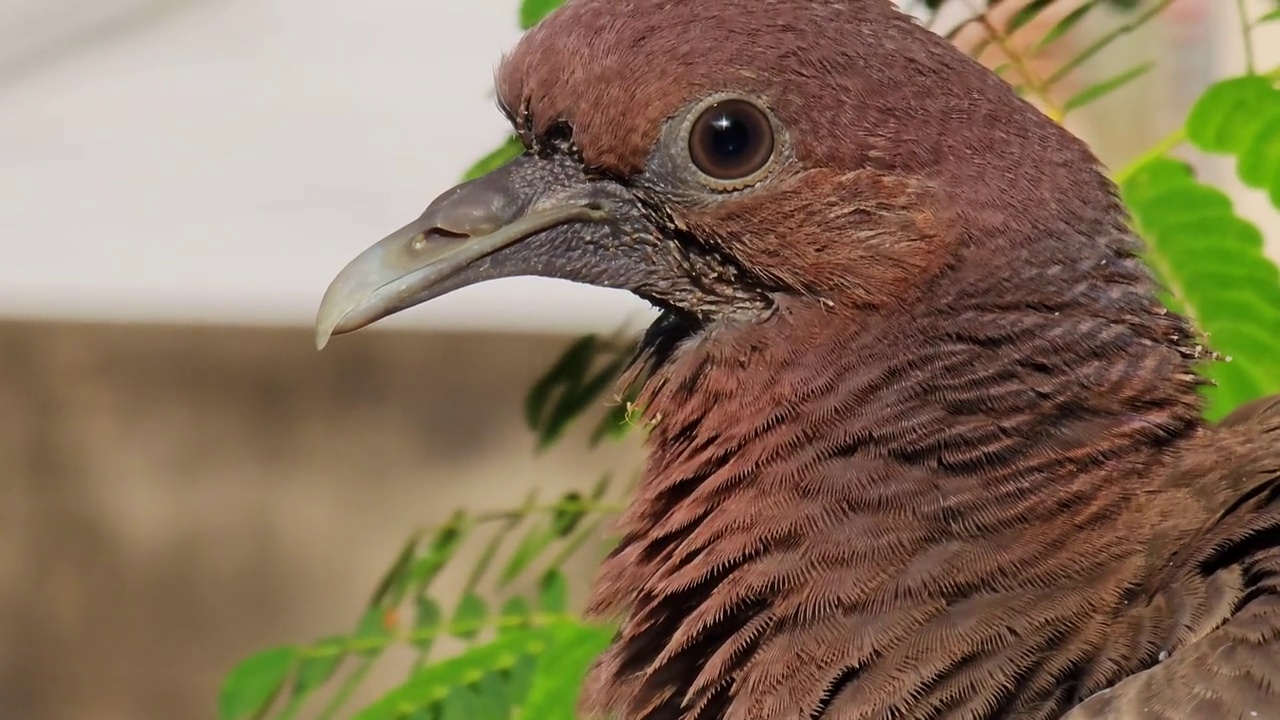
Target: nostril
433	235
446	233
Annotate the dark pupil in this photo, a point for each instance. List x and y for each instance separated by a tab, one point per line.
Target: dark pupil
729	136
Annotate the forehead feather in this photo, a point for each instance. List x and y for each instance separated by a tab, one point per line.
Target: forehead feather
614	70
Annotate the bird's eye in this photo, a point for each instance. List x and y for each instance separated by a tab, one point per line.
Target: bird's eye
731	140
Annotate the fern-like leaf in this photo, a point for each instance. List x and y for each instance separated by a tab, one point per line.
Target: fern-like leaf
1241	117
1212	263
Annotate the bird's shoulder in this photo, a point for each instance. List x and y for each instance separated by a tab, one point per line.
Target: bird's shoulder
1230	472
1222	583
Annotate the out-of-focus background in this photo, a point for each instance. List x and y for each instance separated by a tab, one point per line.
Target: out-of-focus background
183	479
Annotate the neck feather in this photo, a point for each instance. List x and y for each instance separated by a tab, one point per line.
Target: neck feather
845	511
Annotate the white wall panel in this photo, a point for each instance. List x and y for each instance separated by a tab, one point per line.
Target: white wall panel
222	160
219	160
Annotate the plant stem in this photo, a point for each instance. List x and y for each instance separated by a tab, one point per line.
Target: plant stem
291	710
581	535
1034	84
1246	34
1169	142
381	643
349	685
1161	147
1104	41
510	520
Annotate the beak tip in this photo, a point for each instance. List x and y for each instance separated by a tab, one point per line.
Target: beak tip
326	328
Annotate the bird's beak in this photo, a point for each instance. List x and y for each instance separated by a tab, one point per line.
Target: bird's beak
468	223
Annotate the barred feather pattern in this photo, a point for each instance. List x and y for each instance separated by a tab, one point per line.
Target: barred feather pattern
961	509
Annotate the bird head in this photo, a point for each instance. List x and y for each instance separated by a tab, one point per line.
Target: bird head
714	157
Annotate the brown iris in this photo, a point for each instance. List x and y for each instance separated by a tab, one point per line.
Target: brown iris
731	140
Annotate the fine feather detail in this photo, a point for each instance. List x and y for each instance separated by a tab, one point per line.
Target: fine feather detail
898	531
925	443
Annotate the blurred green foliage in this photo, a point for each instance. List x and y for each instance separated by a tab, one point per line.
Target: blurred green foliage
525	652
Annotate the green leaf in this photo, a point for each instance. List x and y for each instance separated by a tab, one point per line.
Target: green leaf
468	618
567	514
509	524
372	634
553	592
434	683
446	542
1226	115
1258	162
520	677
251	686
576	541
535	541
1241	117
1026	14
516	615
575	399
1269	17
571	649
1064	26
600	488
533	11
493	699
509	150
1099	89
568	371
318	664
580	387
1212	263
392	587
460	704
426	623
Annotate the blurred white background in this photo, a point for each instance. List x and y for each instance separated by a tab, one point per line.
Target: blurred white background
219	160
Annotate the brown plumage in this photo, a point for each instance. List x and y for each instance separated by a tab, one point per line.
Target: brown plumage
926	443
